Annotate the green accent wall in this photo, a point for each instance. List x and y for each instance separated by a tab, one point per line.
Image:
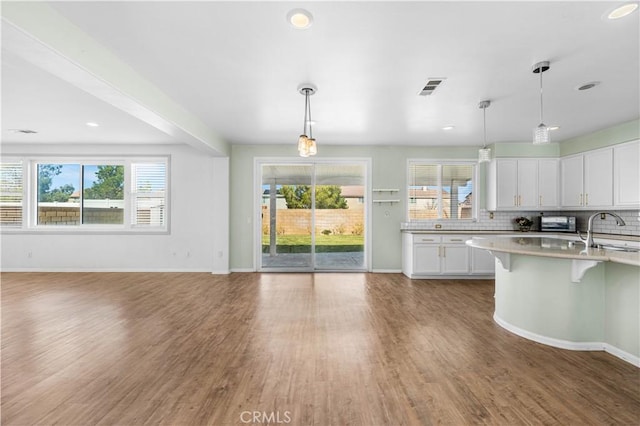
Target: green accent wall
624	132
388	163
537	296
524	150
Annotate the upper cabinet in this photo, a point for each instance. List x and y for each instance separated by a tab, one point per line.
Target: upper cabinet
604	178
522	184
587	180
626	175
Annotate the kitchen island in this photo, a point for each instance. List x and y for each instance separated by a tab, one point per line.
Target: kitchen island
557	292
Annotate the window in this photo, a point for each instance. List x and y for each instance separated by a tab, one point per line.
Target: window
440	190
77	194
11	194
148	188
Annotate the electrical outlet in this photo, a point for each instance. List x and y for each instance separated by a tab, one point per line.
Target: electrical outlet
490	215
602	215
438	226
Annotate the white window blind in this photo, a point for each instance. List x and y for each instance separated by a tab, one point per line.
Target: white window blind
11	194
148	191
440	191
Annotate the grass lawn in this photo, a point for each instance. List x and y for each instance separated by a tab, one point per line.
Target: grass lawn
324	243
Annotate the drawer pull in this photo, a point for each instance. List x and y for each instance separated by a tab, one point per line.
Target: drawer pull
456	239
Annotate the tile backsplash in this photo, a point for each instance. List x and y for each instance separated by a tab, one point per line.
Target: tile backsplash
504	221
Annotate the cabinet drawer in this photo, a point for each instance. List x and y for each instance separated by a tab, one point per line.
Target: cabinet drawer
455	239
426	239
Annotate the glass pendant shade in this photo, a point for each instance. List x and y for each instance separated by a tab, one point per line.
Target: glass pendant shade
313	148
541	135
302	143
484	155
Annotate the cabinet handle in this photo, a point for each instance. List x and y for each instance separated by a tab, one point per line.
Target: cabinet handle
540	203
515	200
444	252
439	250
586	199
456	239
426	239
580	199
519	200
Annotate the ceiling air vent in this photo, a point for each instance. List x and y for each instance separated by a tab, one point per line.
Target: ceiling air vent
431	86
26	131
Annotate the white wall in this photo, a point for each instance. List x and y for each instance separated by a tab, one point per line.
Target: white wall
199	221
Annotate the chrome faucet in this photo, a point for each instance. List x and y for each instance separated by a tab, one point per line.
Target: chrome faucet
589	240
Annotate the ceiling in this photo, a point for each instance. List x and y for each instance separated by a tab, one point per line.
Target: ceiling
234	67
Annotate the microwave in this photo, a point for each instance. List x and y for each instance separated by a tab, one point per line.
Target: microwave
558	223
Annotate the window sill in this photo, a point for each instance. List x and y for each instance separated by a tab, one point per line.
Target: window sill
86	231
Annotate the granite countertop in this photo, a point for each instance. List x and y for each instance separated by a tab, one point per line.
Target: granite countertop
553	247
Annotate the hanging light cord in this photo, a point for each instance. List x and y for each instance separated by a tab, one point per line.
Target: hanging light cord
484	123
306	107
310	129
541	71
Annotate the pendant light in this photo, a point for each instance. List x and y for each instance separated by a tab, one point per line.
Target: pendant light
484	153
307	144
541	133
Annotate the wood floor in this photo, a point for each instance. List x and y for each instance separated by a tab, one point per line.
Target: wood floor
302	349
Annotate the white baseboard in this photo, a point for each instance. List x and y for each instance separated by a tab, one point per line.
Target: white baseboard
625	356
105	270
242	270
566	344
222	272
386	271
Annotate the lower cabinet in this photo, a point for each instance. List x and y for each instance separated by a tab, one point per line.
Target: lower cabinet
427	255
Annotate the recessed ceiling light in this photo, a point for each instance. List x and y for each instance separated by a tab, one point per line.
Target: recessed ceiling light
92	124
623	11
554	128
300	18
448	128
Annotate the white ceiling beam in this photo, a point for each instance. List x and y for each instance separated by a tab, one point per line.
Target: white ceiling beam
41	36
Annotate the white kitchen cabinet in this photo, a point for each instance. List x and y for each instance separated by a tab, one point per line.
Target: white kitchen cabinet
519	184
454	258
626	175
571	172
428	255
548	183
598	178
506	183
426	259
587	180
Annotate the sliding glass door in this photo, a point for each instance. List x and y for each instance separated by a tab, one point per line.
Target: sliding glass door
286	206
339	216
313	216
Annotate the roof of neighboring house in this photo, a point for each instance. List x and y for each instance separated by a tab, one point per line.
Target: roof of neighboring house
75	194
467	200
352	191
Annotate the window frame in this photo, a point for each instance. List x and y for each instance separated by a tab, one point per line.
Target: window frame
440	163
30	195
